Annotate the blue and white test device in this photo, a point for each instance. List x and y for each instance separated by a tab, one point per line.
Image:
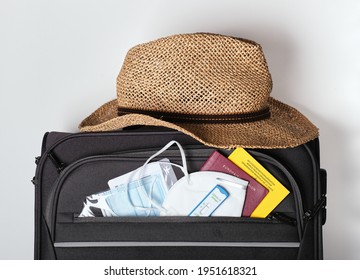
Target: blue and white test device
210	203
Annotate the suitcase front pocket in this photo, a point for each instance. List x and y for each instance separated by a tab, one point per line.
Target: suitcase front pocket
163	237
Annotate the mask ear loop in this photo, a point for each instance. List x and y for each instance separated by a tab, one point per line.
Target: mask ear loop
183	158
141	170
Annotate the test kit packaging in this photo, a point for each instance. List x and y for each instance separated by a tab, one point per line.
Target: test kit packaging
66	175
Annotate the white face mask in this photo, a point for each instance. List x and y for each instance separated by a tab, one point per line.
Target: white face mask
191	189
185	194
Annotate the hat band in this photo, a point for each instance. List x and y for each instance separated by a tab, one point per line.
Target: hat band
195	118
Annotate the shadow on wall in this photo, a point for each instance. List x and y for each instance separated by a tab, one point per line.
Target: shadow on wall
339	238
340	230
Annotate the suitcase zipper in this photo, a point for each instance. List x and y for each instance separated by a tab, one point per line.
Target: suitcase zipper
60	166
277	216
73	218
311	213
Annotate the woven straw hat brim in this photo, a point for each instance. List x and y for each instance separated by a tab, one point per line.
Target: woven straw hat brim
286	127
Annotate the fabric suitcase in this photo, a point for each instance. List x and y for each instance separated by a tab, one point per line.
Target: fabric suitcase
72	166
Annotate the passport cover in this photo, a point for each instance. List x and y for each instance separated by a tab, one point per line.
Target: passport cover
255	192
277	192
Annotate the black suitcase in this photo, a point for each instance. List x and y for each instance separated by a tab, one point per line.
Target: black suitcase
72	166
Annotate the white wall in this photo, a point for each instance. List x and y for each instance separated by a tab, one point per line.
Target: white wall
59	61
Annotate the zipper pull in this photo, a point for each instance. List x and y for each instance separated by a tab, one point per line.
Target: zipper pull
58	164
277	216
309	214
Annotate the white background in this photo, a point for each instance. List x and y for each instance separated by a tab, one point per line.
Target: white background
59	61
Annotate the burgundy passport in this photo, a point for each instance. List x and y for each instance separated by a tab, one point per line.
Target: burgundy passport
255	191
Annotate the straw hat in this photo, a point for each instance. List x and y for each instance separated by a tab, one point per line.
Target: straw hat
212	87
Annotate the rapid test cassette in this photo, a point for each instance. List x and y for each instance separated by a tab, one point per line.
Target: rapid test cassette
210	203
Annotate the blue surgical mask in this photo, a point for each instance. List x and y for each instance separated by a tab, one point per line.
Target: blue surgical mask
138	197
143	196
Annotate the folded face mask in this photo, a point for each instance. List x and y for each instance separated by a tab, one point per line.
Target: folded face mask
136	198
133	194
187	193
